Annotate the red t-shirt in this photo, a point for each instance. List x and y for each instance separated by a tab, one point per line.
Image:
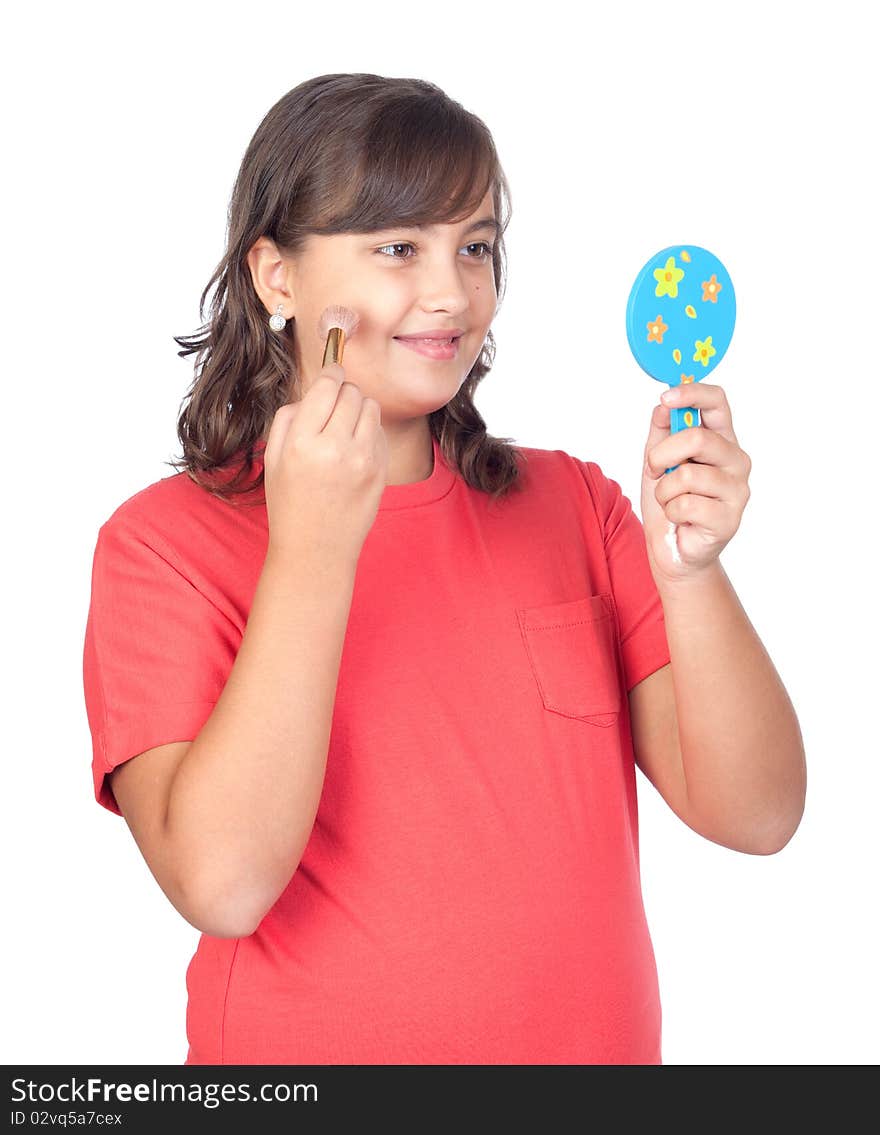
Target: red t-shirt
470	892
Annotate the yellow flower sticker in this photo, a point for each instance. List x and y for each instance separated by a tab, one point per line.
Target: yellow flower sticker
704	351
668	279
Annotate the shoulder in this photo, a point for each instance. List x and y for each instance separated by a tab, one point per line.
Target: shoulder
172	520
558	462
555	470
176	527
156	509
167	503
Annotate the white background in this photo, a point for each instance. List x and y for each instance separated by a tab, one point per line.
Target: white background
748	129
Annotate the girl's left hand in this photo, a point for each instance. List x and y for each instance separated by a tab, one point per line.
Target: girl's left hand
704	497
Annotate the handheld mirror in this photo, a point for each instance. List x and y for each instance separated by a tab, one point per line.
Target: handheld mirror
679	320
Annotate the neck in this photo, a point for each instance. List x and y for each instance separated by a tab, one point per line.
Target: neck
410	451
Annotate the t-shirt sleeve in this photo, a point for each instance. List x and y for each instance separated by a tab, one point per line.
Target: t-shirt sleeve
157	652
643	643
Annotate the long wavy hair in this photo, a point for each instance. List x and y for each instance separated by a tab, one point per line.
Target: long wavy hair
338	153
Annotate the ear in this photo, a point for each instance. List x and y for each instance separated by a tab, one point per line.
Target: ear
271	276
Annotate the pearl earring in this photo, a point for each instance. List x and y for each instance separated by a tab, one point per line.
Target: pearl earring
277	321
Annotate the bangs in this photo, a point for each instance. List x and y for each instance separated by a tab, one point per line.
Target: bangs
402	169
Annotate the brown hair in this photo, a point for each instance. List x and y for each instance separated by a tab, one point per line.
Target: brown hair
338	153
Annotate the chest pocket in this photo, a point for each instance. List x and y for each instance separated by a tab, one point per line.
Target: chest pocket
572	650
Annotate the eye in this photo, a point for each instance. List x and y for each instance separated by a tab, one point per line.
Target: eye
402	244
481	244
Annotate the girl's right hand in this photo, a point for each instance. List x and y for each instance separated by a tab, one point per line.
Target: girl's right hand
325	467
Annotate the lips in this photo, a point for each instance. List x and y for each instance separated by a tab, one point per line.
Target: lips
434	334
431	348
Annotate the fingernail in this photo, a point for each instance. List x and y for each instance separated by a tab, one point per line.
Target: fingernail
669	396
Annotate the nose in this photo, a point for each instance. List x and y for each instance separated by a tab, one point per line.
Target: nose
443	287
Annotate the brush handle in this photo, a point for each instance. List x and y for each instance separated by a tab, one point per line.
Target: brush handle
334	346
682	418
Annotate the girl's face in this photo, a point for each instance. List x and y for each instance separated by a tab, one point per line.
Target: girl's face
401	281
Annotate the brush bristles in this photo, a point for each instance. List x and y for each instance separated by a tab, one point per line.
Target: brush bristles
336	316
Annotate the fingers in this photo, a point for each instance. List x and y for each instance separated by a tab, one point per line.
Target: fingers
712	442
700	445
327	395
334	370
329	405
370	420
692	478
710	400
332	405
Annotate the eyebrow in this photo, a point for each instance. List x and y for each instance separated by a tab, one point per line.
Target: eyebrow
485	223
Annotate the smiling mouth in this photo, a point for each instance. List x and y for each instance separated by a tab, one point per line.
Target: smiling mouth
433	339
432	348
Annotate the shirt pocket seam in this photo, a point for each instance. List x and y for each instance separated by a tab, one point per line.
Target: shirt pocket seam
572	653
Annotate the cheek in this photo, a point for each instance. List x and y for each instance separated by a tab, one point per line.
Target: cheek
384	310
484	285
485	300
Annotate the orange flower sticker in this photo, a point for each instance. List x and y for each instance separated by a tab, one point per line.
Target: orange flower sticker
656	330
711	288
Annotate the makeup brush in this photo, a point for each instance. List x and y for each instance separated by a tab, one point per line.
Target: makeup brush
335	326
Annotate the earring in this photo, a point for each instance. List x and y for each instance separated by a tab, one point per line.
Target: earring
277	321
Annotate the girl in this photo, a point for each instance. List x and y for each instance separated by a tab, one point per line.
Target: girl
369	685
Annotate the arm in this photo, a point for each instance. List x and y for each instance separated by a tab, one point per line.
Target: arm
223	821
715	731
